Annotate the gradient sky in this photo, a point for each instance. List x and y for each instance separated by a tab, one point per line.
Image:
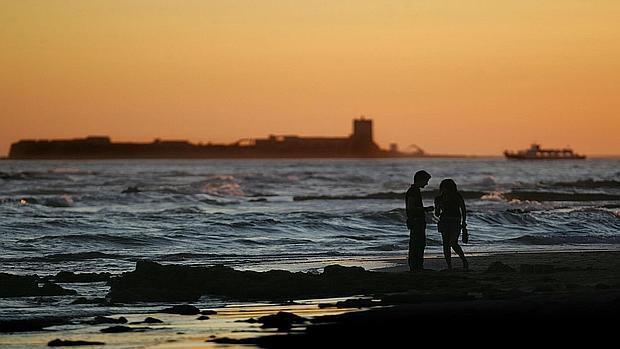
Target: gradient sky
468	77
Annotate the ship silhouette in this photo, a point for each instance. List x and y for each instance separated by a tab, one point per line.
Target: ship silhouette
360	144
535	152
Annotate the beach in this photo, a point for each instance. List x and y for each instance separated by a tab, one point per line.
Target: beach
579	290
325	240
290	174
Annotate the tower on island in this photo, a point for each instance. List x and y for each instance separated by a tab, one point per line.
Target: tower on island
361	139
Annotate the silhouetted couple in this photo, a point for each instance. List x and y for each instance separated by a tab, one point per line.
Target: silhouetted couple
449	207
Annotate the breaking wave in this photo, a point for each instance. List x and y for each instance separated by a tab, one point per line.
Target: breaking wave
469	195
587	183
92	238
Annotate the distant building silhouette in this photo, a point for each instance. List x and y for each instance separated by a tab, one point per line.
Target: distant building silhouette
359	144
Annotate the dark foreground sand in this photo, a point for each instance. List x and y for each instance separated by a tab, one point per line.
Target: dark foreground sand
556	297
505	299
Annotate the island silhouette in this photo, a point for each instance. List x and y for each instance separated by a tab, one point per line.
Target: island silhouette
360	144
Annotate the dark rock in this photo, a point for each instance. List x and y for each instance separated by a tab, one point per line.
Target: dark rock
343	271
70	277
148	320
117	329
183	309
203	317
29	285
208	312
224	340
27	325
499	267
67	343
283	321
155	282
258	200
122	329
152	320
131	190
106	320
357	303
351	303
250	321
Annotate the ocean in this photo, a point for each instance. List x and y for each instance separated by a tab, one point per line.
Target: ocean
286	214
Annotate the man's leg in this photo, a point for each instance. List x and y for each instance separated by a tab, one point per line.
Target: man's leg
418	240
421	245
411	257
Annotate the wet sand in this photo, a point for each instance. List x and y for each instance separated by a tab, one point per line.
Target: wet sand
518	294
559	297
176	331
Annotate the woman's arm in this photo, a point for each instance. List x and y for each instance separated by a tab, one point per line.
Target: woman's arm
463	211
437	207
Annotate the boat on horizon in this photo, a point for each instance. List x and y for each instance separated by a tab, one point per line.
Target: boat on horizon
535	152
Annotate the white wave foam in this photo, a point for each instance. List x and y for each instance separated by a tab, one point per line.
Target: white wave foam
493	196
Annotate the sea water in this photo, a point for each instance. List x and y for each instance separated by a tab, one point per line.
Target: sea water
287	214
72	215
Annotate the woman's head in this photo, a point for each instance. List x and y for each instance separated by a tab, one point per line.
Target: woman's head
448	186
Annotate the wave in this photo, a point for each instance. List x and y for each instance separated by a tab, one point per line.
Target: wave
170	213
488	181
90	238
79	256
356	237
389	195
26	175
391	216
542	196
565	239
64	200
519	195
65	257
587	183
387	248
52	174
553	196
71	170
507	217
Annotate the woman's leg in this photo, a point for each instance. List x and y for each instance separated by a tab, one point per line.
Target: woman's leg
459	251
447	252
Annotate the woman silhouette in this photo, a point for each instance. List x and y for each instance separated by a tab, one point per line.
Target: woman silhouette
450	208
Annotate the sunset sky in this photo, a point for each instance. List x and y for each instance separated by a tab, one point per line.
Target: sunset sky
467	77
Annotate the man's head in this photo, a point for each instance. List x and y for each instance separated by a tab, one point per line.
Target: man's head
421	178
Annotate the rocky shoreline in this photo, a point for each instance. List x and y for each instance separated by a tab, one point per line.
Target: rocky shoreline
576	290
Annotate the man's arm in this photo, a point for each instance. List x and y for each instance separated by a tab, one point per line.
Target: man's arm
437	209
412	206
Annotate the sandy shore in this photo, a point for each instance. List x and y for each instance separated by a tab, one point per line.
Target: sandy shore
521	294
560	298
175	331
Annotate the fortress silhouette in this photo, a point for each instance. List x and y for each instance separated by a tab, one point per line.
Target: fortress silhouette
359	144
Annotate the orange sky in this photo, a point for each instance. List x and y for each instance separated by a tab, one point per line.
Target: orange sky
459	76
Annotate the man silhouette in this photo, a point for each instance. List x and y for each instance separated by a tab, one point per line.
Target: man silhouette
416	220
